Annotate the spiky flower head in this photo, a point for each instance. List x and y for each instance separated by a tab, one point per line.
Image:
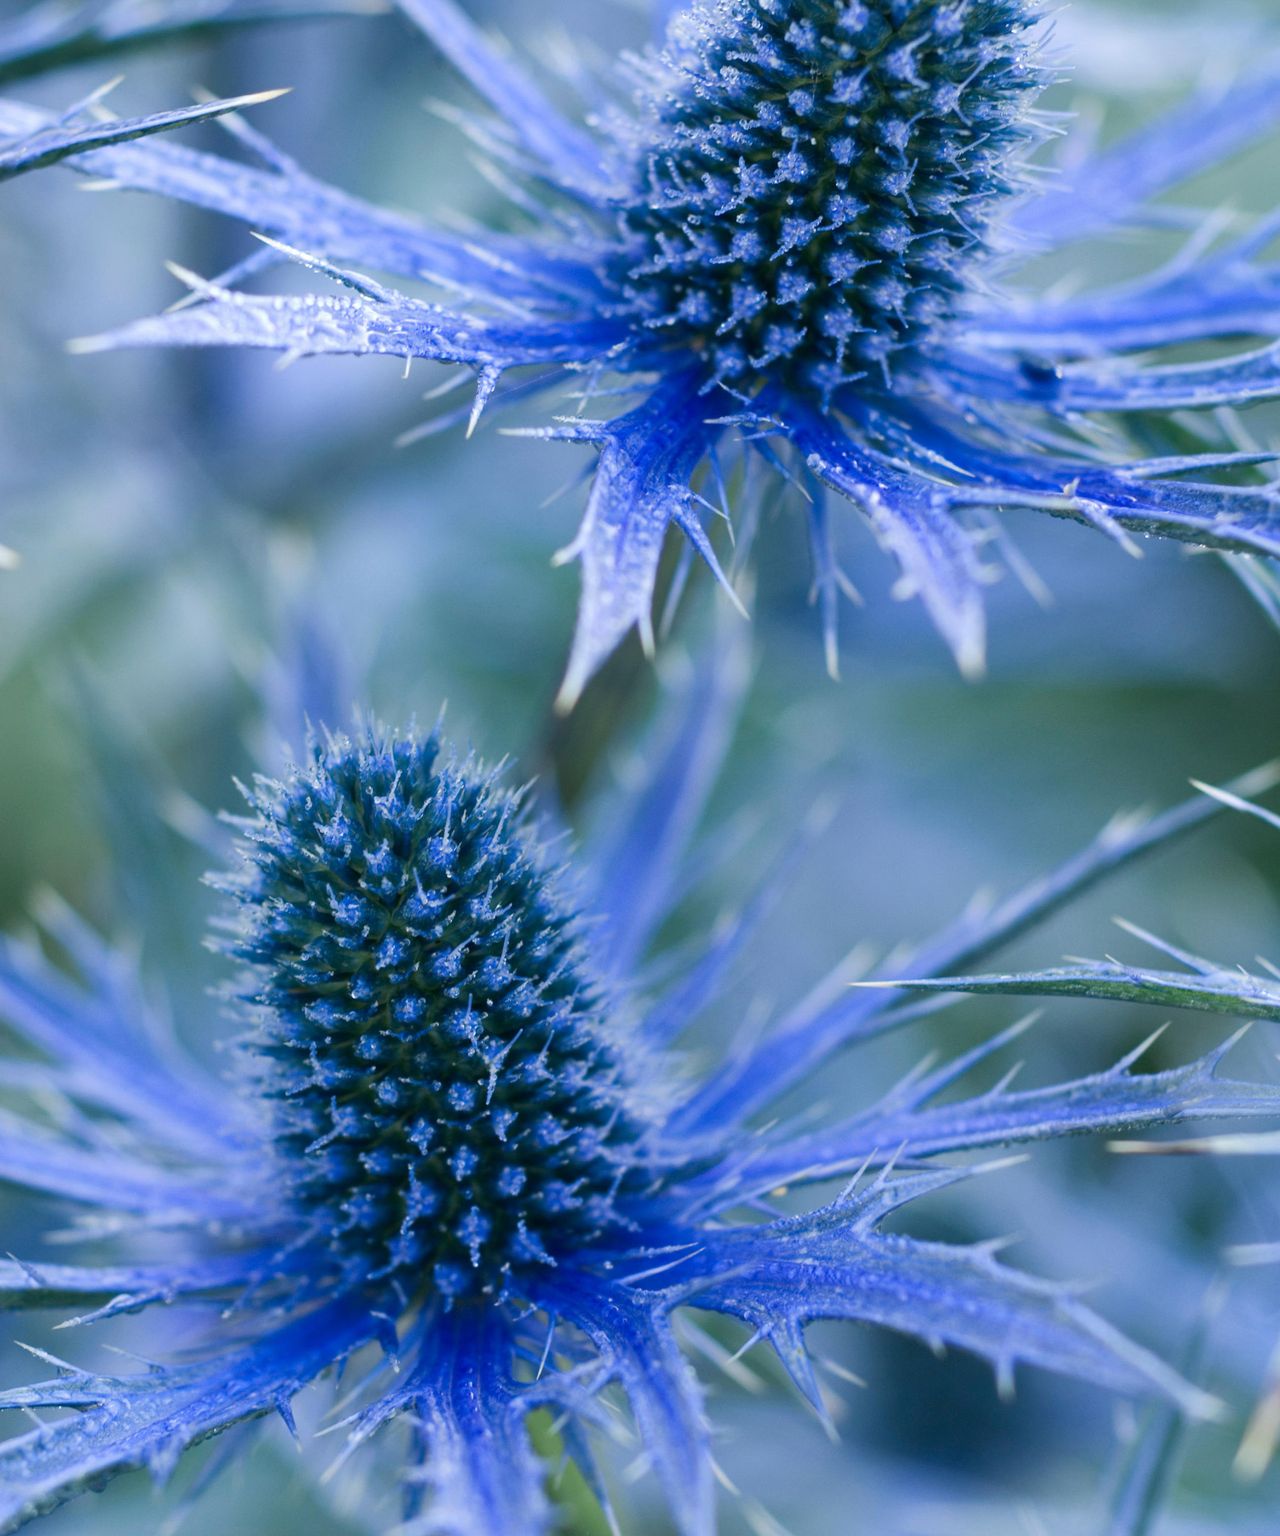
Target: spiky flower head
795	228
814	178
449	1107
445	1138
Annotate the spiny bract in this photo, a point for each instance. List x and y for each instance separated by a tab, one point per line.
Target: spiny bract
450	1110
798	229
815	175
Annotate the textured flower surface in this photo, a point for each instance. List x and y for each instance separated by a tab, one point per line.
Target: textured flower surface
458	1153
796	227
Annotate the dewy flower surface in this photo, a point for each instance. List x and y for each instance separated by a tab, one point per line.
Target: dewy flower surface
797	226
457	1152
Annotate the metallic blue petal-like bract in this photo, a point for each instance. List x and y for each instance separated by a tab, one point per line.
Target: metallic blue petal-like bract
798	225
457	1153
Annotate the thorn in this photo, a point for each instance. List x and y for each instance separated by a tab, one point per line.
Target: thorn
831	647
571	551
723	1478
1236	802
186	276
997	1165
648	644
1258	1448
1140	1051
257	98
1230	1043
104	91
285	1409
971	658
1247	1255
841	1372
43	1354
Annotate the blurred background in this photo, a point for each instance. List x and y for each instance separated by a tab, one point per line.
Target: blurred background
186	522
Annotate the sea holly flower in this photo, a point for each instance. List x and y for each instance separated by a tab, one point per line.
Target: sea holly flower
456	1141
796	225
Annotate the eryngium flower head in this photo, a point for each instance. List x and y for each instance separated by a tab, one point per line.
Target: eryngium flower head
450	1109
455	1138
808	189
795	229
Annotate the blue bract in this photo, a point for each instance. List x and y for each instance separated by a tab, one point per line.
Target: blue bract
797	226
456	1137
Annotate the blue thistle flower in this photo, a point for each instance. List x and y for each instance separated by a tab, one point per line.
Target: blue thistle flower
811	190
455	1138
451	1110
798	223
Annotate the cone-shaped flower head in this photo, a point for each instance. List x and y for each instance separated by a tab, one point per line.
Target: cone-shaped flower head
815	178
455	1139
449	1108
799	230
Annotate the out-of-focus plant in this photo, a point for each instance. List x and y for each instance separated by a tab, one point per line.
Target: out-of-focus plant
1199	984
54	34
